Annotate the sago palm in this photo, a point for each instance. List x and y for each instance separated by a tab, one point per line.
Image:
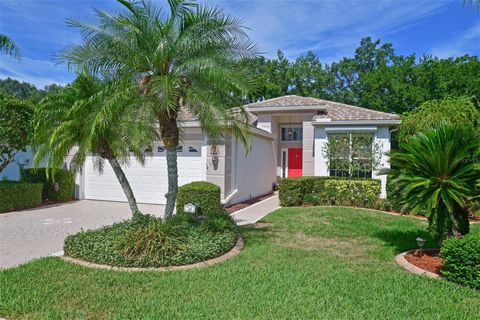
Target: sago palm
436	172
86	115
179	59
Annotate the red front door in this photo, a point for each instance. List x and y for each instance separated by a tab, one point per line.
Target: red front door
295	162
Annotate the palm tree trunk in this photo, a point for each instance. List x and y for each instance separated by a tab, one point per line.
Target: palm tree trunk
170	135
172	180
122	178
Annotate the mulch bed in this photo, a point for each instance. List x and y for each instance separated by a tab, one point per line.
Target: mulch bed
429	260
242	205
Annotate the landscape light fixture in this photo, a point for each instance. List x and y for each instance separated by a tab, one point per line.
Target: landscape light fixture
421	243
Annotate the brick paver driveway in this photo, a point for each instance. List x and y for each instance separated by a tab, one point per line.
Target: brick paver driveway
34	233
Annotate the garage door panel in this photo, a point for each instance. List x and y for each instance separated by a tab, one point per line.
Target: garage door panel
148	182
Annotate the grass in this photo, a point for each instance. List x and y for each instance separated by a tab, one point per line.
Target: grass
300	263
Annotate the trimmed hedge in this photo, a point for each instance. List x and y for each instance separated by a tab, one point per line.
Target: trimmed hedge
205	194
329	191
461	262
64	179
19	195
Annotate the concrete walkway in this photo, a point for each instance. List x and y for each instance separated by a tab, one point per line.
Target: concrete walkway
256	211
39	232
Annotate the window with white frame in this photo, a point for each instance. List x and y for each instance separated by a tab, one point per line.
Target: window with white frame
291	133
350	155
181	149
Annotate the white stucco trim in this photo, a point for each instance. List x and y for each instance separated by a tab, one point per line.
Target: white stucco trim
286	161
322	122
291	110
335	129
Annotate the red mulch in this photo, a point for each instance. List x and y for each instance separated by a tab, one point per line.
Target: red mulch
430	260
242	205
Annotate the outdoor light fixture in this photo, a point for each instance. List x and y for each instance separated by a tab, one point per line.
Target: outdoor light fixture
290	132
190	208
421	243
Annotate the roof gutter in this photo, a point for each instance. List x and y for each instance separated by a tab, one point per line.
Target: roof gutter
329	122
286	109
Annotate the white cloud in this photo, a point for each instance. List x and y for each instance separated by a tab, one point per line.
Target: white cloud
331	28
462	44
38	72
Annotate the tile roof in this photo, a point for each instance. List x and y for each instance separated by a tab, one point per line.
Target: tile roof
187	114
334	110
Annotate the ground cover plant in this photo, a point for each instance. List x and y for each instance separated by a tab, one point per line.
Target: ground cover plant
146	241
298	263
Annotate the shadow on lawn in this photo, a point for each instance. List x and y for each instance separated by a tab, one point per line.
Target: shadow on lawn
402	241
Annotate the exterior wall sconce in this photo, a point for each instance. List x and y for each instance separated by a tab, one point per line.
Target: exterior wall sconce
214	155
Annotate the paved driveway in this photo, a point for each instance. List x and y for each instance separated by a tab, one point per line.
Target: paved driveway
34	233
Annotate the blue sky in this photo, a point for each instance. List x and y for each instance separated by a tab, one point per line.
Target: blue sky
331	29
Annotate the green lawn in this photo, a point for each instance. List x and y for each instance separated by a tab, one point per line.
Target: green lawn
308	263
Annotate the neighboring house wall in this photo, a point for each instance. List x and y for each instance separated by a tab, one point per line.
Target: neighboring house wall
12	171
381	137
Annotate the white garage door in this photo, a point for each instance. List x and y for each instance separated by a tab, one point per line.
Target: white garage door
149	182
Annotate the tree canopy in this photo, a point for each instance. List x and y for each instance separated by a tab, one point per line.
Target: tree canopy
461	111
15	120
375	77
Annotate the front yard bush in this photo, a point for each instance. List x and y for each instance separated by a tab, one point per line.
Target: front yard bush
205	194
329	191
60	187
145	241
19	195
462	260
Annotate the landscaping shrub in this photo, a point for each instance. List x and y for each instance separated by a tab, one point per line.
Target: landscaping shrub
146	241
154	242
64	179
294	191
202	193
19	195
462	260
329	191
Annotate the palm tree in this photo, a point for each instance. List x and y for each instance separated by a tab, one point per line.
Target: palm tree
9	47
87	116
182	59
435	173
472	3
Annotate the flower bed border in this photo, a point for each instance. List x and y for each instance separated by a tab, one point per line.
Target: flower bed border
198	265
402	262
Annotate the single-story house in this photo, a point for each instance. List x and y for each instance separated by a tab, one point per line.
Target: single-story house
288	135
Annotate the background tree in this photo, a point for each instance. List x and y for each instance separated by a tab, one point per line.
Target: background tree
90	115
15	119
180	60
461	111
25	90
435	173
